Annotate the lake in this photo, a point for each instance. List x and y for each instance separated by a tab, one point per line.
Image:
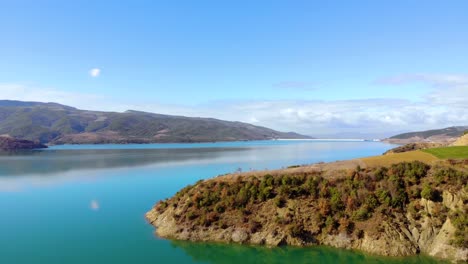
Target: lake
86	204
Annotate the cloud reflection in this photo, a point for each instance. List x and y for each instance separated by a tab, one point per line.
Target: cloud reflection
94	205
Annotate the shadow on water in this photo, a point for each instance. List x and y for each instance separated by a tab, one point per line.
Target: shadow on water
232	253
48	162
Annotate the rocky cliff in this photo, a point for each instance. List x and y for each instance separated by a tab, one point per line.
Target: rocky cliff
461	141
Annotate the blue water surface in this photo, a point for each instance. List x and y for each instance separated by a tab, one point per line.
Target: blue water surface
86	203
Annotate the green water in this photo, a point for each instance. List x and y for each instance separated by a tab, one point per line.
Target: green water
86	204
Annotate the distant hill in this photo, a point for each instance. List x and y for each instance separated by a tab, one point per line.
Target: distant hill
59	124
444	135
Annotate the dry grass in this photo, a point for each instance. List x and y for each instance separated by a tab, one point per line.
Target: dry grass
389	159
329	170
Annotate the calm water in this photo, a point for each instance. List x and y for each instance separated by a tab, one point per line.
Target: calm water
86	204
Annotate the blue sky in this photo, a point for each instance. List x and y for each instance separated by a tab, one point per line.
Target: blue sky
316	67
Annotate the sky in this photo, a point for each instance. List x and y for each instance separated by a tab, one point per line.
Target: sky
345	68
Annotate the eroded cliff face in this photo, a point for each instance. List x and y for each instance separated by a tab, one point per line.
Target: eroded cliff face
424	226
396	237
420	232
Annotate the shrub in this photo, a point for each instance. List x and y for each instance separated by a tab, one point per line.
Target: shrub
324	207
286	180
280	202
380	173
161	206
460	221
383	196
242	198
268	179
335	200
191	215
427	192
372	202
415	193
254	226
219	208
346	225
266	193
296	230
330	223
312	184
399	199
351	203
362	213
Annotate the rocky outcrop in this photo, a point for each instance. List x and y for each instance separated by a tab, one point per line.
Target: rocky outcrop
396	238
422	226
462	141
8	143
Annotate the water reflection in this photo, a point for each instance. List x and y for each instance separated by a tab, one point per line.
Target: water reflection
232	253
61	164
49	162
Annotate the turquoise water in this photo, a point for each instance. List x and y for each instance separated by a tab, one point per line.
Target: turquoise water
86	204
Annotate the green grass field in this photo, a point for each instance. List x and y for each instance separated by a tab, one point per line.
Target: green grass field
458	152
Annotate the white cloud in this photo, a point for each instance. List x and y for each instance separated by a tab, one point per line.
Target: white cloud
95	72
253	120
434	80
444	89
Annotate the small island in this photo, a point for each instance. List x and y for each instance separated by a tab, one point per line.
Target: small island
9	144
392	205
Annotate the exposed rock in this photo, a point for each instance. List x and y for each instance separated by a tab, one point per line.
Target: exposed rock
239	236
441	247
452	201
462	141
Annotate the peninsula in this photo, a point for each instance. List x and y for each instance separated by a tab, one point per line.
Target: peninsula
397	204
8	144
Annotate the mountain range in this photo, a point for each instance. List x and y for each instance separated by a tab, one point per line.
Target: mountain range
52	123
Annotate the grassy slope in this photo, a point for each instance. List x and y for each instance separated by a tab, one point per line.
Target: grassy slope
458	152
427	155
386	160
